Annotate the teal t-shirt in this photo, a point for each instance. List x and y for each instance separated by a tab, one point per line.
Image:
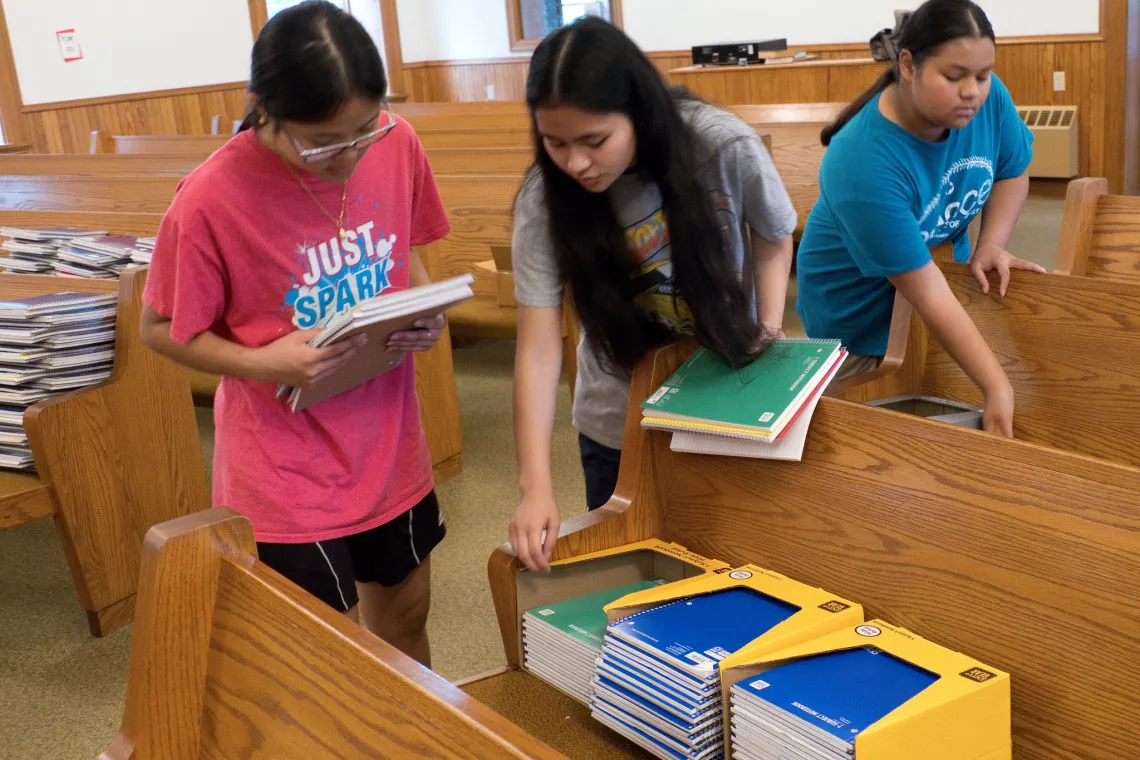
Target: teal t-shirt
885	199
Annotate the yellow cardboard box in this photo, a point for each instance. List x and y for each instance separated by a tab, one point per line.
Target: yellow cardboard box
584	574
964	715
820	612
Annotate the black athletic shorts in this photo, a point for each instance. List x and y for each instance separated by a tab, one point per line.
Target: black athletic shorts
330	570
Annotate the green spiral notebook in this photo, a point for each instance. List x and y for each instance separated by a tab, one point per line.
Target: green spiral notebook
757	401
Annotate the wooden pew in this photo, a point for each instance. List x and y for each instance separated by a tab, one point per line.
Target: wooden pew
1100	233
410	110
229	659
1022	556
443	161
111	460
203	145
146	193
1070	346
98	165
480	160
116	223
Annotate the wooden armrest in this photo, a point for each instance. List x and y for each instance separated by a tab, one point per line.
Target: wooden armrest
1075	241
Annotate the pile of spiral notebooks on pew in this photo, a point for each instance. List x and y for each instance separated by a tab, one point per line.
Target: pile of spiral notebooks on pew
49	344
751	664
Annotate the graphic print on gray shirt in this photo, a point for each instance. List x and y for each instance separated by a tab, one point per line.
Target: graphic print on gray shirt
747	192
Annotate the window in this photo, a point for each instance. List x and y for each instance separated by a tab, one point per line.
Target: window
273	7
531	20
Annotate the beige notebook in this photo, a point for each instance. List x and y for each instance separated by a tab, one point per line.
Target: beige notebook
377	317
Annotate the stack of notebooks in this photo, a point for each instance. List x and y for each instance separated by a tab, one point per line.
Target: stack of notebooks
814	708
377	318
563	641
97	257
144	249
35	251
761	410
49	344
658	681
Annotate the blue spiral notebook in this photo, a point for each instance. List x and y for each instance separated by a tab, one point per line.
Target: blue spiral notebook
841	693
697	632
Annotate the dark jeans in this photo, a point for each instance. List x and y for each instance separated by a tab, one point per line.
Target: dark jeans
600	465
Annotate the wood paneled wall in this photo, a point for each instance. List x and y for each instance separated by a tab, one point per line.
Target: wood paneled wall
1026	65
67	127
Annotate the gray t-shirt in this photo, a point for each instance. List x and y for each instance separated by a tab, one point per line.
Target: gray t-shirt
748	192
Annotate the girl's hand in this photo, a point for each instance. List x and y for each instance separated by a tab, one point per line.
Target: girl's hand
292	361
423	338
768	333
534	515
998	415
992	256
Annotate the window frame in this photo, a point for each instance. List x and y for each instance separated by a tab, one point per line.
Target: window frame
521	44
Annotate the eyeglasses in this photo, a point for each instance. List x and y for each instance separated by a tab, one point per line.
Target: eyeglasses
329	152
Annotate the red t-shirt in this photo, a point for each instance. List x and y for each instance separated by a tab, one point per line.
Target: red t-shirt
245	252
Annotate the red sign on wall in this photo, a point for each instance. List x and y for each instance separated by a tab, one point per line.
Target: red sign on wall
69	45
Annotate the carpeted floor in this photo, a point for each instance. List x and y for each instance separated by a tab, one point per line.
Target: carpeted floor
61	691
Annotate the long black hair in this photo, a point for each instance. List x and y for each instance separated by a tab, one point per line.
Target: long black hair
593	66
308	61
931	26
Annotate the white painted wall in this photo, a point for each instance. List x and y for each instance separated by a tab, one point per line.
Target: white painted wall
434	30
456	29
680	24
128	46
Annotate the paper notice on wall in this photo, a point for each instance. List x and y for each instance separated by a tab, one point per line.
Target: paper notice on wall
69	45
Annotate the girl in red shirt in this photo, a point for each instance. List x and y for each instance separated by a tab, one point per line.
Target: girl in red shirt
315	205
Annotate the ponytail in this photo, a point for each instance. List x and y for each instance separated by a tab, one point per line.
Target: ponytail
923	32
885	80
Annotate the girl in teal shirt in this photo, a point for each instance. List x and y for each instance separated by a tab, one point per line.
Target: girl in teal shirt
936	141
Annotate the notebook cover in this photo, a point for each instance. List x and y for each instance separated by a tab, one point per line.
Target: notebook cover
53	302
696	633
369	362
842	692
584	618
756	396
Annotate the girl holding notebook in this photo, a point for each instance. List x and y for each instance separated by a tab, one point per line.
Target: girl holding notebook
315	205
663	215
936	141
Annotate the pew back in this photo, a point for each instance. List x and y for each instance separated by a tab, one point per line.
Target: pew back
118	457
146	194
201	145
1069	346
98	165
1071	349
1022	556
116	223
228	655
1100	233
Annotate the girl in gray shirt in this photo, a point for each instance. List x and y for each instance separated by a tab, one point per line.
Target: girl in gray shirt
664	215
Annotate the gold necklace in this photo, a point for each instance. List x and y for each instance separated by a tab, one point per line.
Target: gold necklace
340	231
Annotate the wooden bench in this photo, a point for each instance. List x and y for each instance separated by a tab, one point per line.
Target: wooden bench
146	193
1100	233
1020	555
112	460
230	660
410	110
1070	346
98	165
202	145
